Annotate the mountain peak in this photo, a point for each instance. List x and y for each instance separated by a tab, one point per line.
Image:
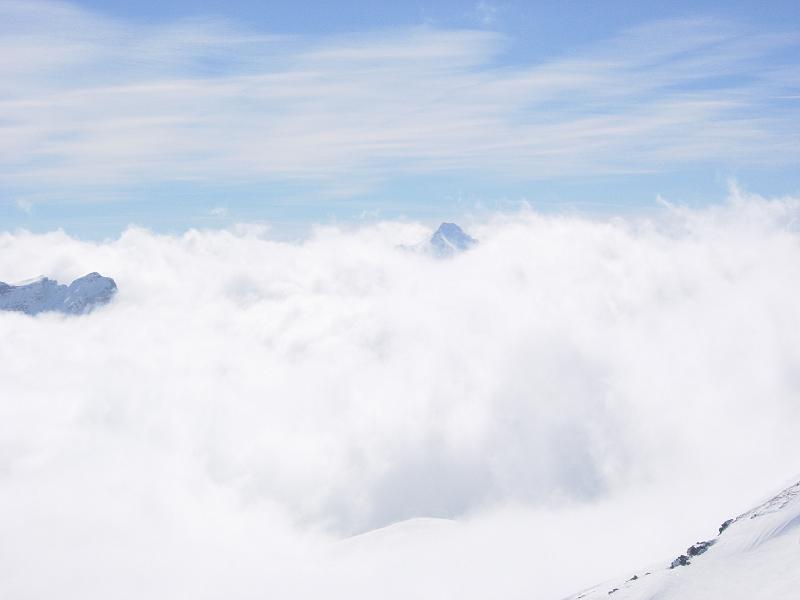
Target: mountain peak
450	239
47	295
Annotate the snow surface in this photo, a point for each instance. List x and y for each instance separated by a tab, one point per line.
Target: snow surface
756	556
44	295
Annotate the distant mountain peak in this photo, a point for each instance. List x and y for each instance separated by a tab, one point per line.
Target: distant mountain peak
47	295
450	239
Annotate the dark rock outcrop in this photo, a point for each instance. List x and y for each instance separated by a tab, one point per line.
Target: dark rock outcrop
700	547
681	561
725	525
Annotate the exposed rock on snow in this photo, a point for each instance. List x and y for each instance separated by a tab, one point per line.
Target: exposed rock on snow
753	558
681	561
43	295
693	550
700	547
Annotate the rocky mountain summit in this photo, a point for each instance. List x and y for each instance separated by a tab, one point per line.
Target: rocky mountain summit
450	239
46	295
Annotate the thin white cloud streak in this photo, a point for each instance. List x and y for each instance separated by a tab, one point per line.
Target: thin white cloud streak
581	396
89	101
24	205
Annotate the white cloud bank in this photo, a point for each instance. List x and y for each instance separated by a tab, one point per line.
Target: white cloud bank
94	104
578	396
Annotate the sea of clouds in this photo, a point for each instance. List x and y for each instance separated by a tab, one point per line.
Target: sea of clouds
251	418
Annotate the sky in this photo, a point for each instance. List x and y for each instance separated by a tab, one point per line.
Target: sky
172	115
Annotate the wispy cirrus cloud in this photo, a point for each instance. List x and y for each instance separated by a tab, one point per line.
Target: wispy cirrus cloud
93	102
24	205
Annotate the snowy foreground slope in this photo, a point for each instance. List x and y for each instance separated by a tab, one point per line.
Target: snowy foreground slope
43	295
755	556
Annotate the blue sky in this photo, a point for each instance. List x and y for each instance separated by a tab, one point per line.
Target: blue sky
176	114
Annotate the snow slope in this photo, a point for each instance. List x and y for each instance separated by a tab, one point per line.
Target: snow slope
44	295
756	556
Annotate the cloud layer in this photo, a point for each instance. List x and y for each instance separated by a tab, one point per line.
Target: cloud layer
577	396
93	106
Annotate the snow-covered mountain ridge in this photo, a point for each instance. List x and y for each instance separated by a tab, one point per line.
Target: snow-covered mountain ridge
755	556
45	295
